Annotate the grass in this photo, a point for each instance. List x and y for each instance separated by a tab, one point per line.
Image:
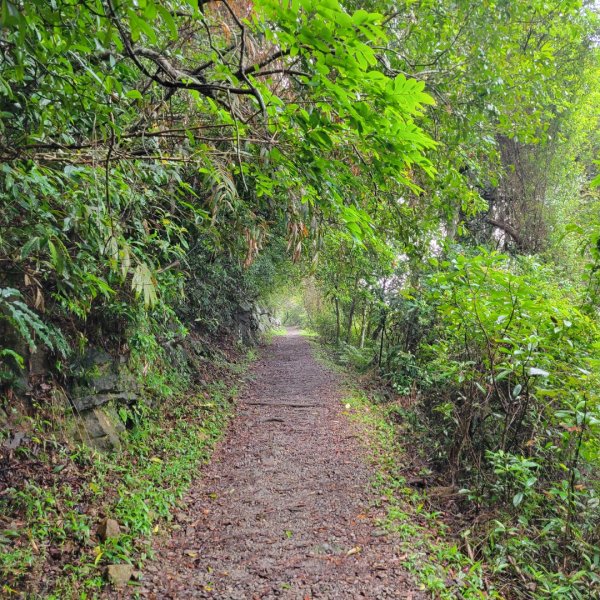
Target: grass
278	331
274	332
140	487
429	553
309	333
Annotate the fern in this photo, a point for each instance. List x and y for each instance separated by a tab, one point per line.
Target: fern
28	323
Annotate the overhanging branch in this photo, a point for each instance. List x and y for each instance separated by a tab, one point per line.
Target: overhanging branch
507	229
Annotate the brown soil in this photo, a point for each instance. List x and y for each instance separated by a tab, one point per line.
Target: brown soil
284	510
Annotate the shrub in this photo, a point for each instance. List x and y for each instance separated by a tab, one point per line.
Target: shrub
516	411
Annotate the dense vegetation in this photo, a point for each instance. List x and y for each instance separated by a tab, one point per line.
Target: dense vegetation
480	309
426	169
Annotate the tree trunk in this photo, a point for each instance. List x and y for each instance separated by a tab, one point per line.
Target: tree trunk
337	320
382	338
351	313
363	327
383	321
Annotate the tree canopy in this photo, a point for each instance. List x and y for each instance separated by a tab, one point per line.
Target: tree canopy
422	173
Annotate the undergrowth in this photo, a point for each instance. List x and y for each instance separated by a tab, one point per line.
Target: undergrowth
490	368
56	515
431	555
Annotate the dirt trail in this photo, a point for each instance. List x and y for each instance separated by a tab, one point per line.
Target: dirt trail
282	511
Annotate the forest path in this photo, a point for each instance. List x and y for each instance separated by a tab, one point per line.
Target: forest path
282	511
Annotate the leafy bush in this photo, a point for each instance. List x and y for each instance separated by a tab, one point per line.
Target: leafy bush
28	323
358	358
516	412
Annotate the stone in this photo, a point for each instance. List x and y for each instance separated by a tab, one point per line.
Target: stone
251	321
101	384
378	533
100	428
19	438
327	548
107	529
92	400
39	362
119	575
246	306
94	357
102	379
100	373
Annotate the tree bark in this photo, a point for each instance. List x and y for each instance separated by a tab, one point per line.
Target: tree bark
507	229
382	338
351	312
363	327
337	320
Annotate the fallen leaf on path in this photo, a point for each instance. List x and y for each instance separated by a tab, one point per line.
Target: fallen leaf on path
191	553
353	551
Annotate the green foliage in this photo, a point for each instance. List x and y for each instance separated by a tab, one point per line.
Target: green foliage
140	487
28	323
15	315
162	162
428	550
514	410
126	189
358	358
500	367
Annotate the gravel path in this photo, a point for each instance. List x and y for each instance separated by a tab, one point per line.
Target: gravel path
282	511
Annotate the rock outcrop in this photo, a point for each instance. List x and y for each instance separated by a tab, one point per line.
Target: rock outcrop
251	321
101	383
